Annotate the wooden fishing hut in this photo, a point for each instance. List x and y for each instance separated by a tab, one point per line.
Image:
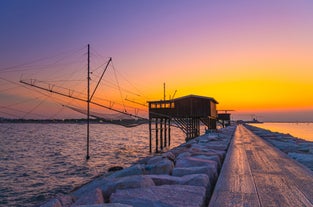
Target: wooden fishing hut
223	117
185	113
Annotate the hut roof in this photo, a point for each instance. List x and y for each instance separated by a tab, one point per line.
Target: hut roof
196	96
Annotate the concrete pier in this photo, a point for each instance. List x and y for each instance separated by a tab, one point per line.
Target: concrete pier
257	174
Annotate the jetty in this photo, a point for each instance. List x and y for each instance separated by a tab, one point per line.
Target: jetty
232	167
257	174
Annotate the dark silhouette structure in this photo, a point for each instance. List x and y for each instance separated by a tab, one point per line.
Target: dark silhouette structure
185	112
224	117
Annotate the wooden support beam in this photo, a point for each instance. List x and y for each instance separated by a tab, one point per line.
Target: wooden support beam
161	134
169	132
156	136
150	136
165	130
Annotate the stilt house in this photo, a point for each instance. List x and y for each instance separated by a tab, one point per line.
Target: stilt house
185	112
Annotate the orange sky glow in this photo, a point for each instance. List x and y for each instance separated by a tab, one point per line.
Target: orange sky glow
252	57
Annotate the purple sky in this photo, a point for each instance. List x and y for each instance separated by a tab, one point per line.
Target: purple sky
183	43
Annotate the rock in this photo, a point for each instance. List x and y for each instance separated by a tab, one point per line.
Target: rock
108	186
284	146
52	203
193	179
198	147
92	197
180	149
207	138
137	169
143	161
169	155
115	168
107	190
60	201
217	146
107	205
97	183
135	181
154	160
201	180
209	152
305	147
183	155
162	196
215	158
164	179
164	166
210	145
66	200
182	171
194	162
305	159
211	172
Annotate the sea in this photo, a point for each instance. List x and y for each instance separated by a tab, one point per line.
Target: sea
40	161
303	130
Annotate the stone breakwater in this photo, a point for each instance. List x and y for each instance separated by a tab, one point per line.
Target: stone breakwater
296	148
182	176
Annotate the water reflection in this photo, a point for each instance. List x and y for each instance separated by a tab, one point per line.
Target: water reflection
38	161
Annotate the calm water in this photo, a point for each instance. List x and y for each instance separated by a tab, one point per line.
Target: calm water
300	130
37	161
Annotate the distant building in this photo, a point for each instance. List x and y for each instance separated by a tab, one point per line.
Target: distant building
224	119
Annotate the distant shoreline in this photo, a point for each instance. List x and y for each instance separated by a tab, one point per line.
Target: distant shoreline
64	121
48	121
99	121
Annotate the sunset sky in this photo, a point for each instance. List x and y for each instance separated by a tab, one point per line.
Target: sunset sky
254	57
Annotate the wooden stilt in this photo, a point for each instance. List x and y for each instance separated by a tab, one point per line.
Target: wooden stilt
150	136
156	136
161	134
169	132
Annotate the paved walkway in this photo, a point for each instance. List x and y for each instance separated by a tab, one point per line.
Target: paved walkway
257	174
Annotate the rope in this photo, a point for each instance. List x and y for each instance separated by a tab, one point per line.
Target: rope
119	88
30	63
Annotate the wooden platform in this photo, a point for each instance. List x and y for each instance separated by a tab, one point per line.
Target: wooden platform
255	173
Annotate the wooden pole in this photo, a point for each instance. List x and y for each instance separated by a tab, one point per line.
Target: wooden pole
161	133
169	132
88	103
164	95
156	136
165	132
150	136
